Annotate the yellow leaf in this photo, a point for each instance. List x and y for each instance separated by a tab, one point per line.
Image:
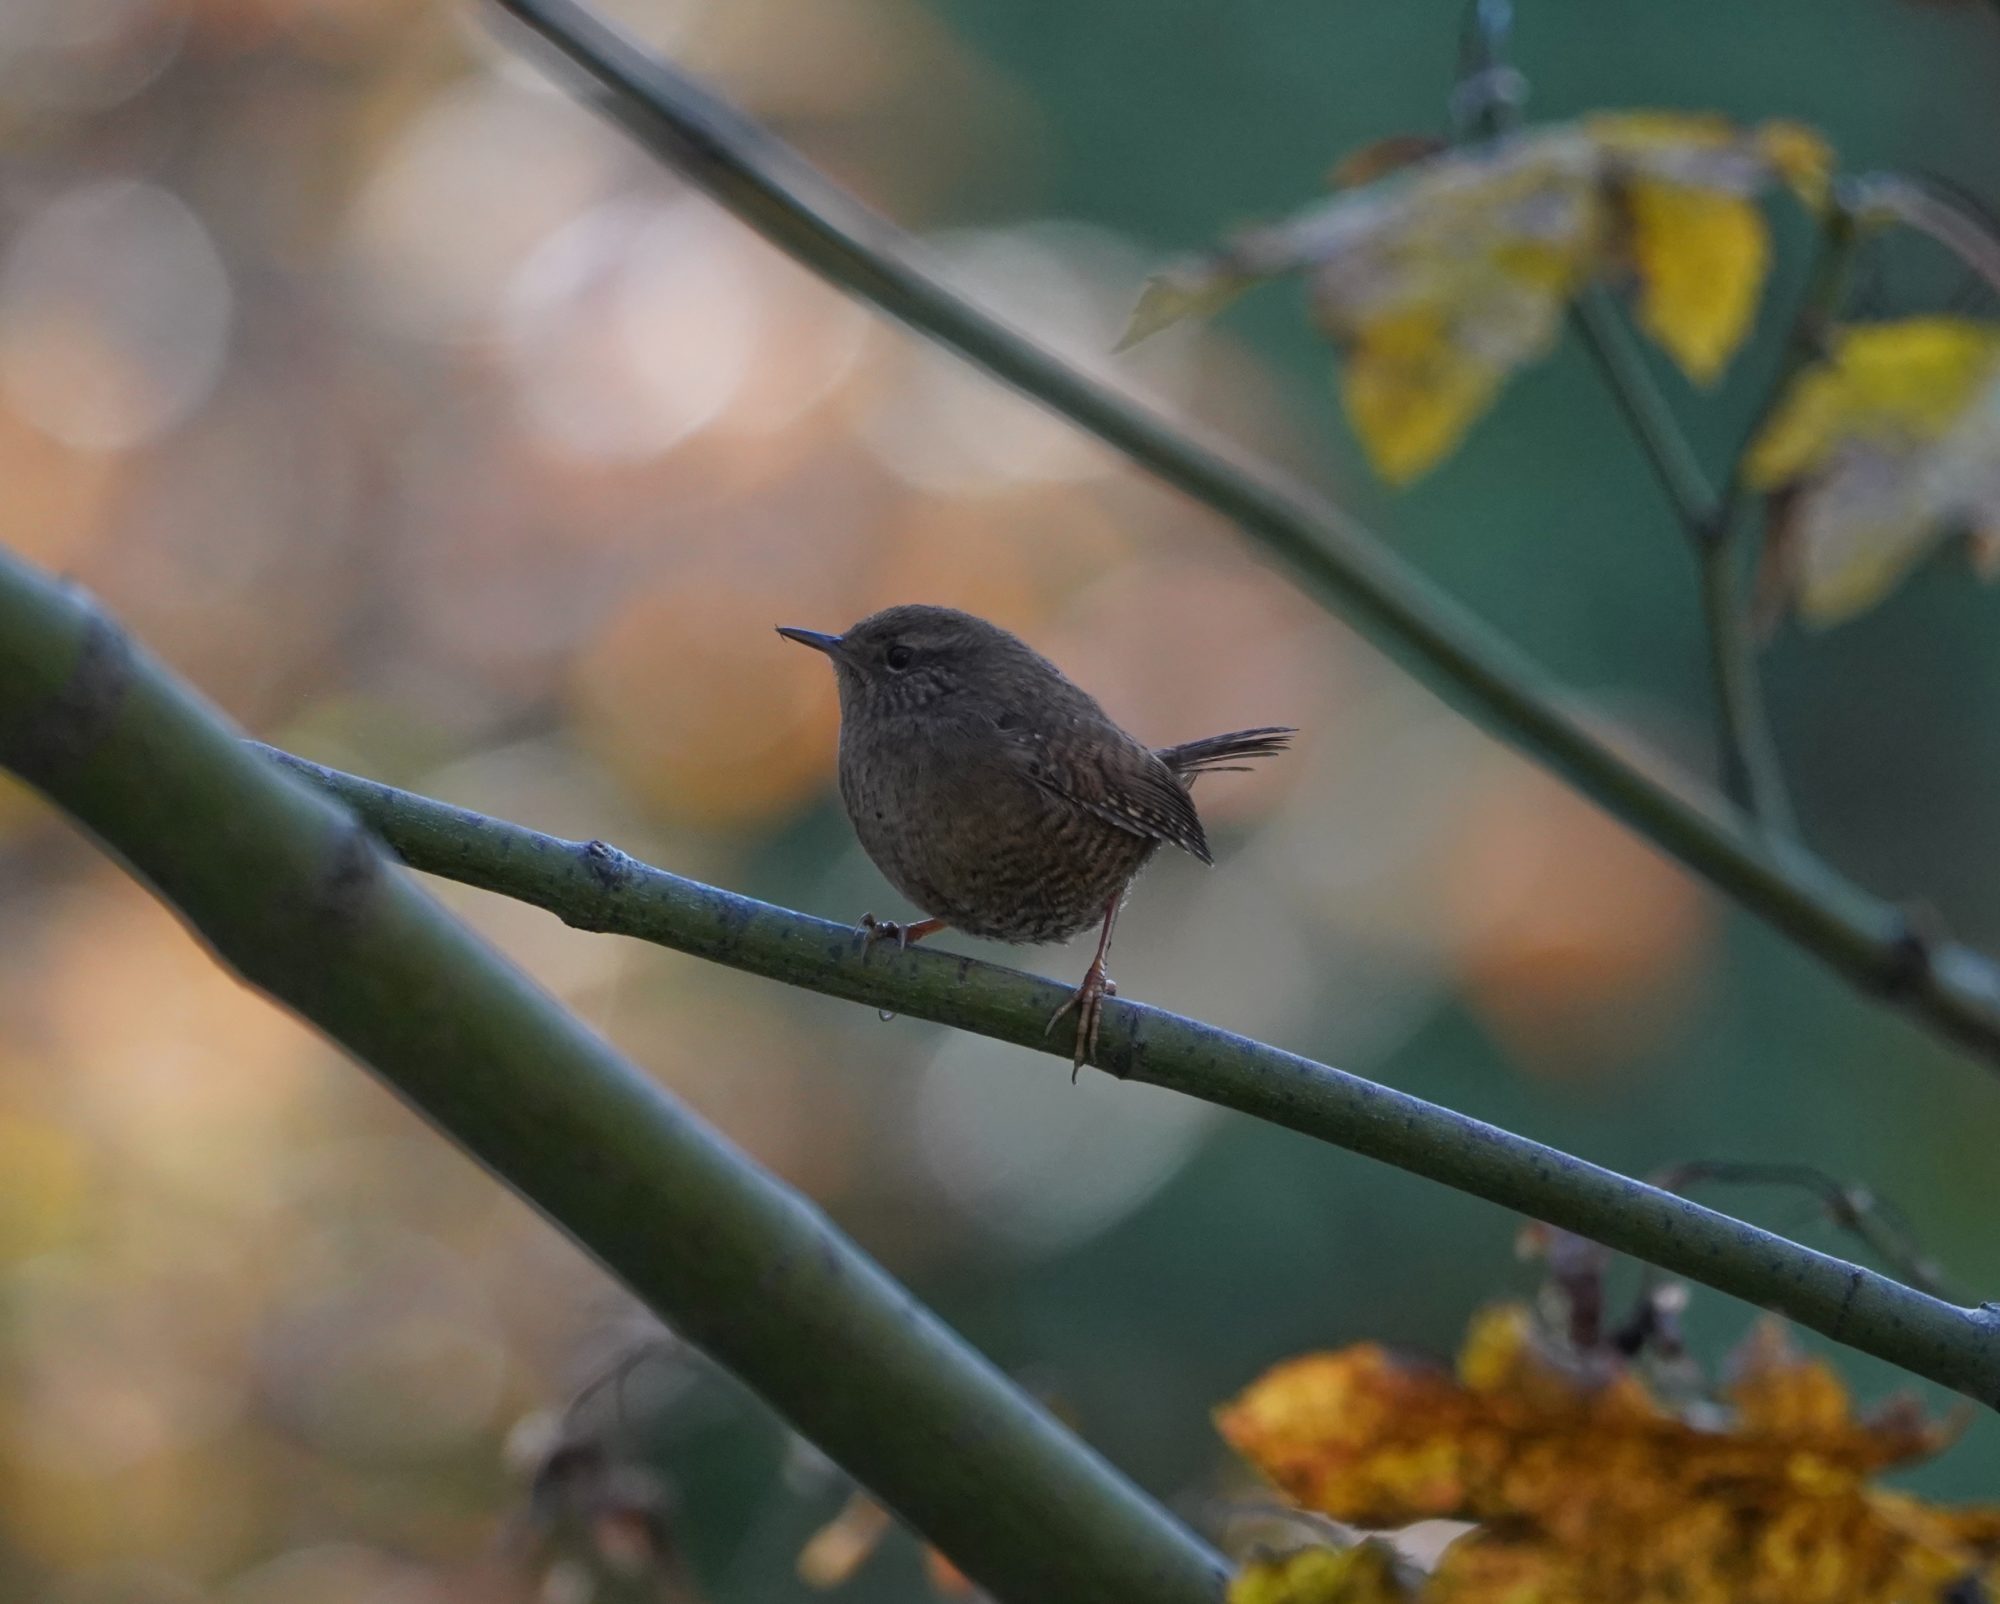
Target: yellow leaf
1436	292
1192	290
1641	133
1451	270
1411	392
1588	1488
1801	157
1698	245
1359	1435
1878	452
1363	1574
1701	256
1895	383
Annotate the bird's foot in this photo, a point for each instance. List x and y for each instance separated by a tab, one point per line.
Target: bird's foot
1088	1001
873	930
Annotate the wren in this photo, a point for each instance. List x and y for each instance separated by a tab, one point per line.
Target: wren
999	797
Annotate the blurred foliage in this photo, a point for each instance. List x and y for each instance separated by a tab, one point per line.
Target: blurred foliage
1888	446
1582	1481
1436	285
438	434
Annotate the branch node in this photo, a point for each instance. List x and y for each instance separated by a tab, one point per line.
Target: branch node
354	868
609	867
1908	955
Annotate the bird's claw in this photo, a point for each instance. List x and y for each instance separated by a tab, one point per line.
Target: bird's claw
873	930
1088	1001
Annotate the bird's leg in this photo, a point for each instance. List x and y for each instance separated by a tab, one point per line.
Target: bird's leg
1088	998
874	930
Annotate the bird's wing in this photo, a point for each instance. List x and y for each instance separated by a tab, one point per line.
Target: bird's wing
1101	769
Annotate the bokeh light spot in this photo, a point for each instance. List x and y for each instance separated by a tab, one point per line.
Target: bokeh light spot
114	315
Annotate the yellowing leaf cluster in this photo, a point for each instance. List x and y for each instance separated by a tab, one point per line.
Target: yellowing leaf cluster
1439	281
1876	453
1587	1487
1367	1573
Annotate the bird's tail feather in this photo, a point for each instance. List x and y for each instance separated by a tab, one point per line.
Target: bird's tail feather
1217	754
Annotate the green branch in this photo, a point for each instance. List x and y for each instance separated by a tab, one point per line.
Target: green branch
596	887
299	900
1951	988
1819	304
1752	777
1666	446
1751	773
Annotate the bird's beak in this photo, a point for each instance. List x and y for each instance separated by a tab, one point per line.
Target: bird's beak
830	644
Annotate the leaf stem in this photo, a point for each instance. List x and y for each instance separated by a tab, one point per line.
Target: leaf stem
1751	775
1875	1222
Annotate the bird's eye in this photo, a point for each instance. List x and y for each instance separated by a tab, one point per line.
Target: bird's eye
898	657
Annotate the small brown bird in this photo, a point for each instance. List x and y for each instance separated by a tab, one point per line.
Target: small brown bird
996	795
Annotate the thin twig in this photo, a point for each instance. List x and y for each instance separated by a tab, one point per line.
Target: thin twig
1951	988
596	887
1874	1221
1486	100
1751	773
1752	777
1924	207
1819	304
1660	436
1750	766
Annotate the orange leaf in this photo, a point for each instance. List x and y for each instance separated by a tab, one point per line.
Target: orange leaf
1589	1488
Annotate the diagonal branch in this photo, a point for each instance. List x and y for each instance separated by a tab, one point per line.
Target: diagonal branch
596	887
1949	987
298	898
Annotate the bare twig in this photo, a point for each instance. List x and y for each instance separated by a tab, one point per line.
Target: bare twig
1873	1221
1926	208
1819	304
1752	777
1665	444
